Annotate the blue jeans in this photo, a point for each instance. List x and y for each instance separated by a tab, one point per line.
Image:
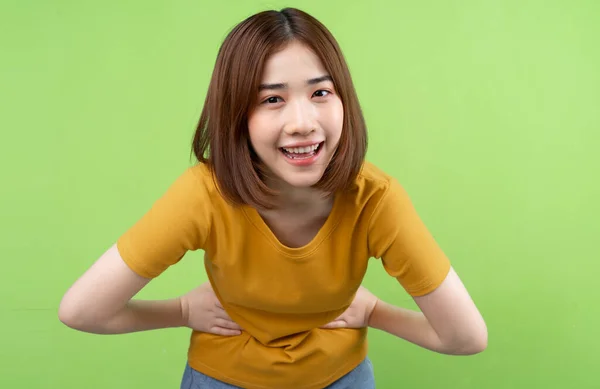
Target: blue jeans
362	377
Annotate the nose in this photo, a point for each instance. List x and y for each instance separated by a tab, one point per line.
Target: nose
299	118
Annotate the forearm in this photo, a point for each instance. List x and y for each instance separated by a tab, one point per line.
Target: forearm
413	327
137	315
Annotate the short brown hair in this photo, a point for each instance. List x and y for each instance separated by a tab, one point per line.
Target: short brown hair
221	139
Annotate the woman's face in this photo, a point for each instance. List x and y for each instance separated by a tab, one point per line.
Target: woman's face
296	125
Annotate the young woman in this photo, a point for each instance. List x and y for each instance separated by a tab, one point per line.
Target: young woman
288	214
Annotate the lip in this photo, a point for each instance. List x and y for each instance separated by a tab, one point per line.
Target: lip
302	144
304	162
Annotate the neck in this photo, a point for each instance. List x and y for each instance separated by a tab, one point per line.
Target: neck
301	199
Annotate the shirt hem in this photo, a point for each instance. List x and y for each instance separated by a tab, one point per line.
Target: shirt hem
341	372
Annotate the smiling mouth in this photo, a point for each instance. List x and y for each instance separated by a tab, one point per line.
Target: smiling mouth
302	152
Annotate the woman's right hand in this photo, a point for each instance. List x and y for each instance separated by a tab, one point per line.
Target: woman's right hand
203	312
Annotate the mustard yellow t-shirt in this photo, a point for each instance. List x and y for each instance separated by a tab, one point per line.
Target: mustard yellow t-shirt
279	295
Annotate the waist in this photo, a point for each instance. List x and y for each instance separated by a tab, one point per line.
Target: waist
309	360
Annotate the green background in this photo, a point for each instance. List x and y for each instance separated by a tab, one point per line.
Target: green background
488	112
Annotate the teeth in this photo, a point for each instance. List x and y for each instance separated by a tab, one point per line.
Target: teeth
301	150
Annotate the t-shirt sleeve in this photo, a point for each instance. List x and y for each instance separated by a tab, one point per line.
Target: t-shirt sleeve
179	221
408	251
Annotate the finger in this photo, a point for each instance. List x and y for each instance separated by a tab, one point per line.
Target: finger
336	324
227	324
224	331
341	317
220	312
223	315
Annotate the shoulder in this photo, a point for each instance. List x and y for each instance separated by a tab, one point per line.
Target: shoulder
199	174
379	195
373	176
196	180
372	184
200	184
190	192
370	190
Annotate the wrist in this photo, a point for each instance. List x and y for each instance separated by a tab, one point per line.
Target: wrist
406	324
184	311
372	320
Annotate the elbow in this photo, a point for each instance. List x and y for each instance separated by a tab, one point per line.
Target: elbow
468	342
480	341
483	341
69	316
84	317
474	343
73	315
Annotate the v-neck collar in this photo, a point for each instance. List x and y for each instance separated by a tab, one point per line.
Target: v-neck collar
324	232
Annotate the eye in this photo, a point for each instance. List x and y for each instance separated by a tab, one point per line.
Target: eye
321	93
271	100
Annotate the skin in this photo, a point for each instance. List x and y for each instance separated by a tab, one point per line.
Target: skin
448	321
296	106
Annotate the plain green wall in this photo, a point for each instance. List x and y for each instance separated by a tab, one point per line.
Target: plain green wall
487	112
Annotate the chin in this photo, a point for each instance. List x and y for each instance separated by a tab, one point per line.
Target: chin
305	174
301	180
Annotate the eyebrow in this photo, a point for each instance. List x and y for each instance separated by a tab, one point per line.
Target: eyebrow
312	81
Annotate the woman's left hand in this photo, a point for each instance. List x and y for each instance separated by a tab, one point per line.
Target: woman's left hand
358	313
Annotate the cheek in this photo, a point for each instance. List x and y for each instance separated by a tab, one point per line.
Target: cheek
259	131
254	129
336	118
